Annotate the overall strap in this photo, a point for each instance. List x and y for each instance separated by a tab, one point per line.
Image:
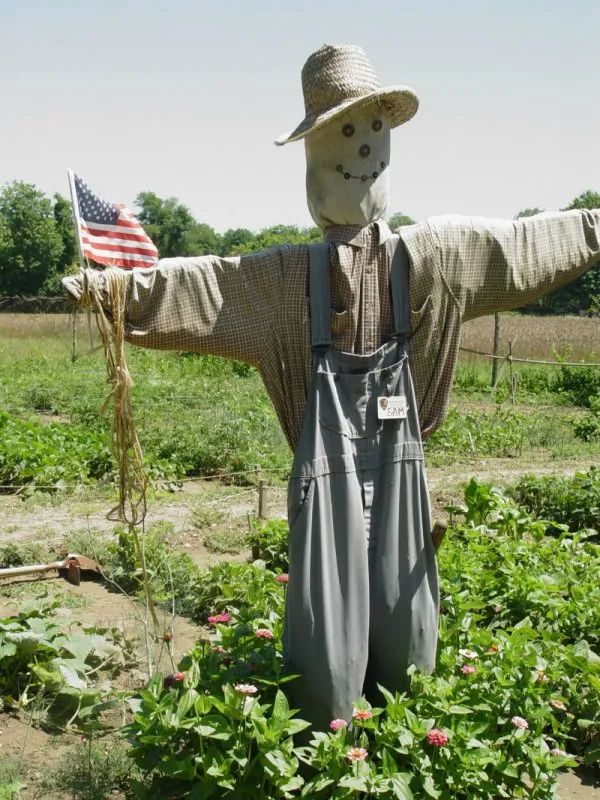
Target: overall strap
399	274
320	302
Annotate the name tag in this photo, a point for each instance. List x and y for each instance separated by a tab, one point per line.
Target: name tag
392	407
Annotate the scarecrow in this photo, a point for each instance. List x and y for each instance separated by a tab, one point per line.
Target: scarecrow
356	340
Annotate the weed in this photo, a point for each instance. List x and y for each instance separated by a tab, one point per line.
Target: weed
223	542
92	770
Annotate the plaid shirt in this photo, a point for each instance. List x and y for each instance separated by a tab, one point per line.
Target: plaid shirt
255	308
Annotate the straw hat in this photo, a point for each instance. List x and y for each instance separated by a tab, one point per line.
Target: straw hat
338	77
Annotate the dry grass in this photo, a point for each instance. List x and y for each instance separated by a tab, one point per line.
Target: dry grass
577	338
533	337
36	326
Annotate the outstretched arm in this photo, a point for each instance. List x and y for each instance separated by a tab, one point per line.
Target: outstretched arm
221	306
495	265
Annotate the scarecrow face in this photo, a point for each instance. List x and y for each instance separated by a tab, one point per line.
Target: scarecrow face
347	168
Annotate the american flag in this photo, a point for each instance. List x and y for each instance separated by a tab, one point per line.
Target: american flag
109	233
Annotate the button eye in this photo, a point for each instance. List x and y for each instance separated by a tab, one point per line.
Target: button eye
364	150
348	130
377	125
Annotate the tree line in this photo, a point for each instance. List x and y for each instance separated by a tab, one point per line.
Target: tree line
38	245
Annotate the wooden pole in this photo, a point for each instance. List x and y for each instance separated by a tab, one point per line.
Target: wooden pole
495	361
74	336
512	377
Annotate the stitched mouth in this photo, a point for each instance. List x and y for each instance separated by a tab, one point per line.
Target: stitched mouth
364	177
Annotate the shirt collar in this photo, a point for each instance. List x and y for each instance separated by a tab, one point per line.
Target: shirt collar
356	235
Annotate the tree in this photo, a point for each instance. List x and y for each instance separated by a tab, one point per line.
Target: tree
399	219
31	247
234	239
168	223
585	200
63	218
529	212
279	235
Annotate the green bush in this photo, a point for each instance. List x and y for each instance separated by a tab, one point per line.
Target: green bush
269	542
573	501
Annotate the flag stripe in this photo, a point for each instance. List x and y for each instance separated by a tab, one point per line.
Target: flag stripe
132	241
110	257
114	247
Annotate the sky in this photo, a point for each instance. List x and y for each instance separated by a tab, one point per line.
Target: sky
184	98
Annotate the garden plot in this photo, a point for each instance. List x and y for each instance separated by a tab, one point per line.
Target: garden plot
518	667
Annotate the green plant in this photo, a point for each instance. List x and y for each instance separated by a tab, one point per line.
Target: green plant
269	542
41	656
515	688
91	770
572	501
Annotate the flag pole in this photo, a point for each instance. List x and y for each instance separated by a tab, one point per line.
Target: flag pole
75	209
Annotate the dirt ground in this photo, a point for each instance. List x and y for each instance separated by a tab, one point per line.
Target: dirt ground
198	513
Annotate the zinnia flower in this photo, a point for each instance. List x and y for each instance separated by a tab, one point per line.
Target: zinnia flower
558	704
338	724
362	714
245	688
357	754
468	669
174	678
263	633
466	653
519	722
437	737
222	618
283	578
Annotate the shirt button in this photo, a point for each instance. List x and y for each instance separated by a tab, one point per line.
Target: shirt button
369	270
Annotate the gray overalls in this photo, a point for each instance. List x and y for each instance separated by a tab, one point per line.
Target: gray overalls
362	599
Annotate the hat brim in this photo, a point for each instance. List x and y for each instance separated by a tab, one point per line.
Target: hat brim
399	102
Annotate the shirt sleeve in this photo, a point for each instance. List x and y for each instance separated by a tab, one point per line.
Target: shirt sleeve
496	265
211	305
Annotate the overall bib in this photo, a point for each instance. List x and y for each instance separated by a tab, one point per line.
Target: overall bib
362	599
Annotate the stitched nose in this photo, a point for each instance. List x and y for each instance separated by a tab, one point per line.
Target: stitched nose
364	150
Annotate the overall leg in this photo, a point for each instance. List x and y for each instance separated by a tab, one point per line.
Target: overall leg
327	612
403	577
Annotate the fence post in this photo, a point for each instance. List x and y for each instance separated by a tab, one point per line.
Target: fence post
262	494
513	385
496	349
74	336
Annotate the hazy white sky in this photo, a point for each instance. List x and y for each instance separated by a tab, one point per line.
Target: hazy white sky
185	97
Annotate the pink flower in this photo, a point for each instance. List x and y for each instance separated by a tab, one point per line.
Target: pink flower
263	633
338	724
362	714
283	578
557	752
219	650
222	618
468	669
357	754
519	722
174	678
437	737
466	653
558	704
246	688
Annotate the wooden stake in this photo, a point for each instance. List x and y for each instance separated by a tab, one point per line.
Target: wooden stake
496	351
